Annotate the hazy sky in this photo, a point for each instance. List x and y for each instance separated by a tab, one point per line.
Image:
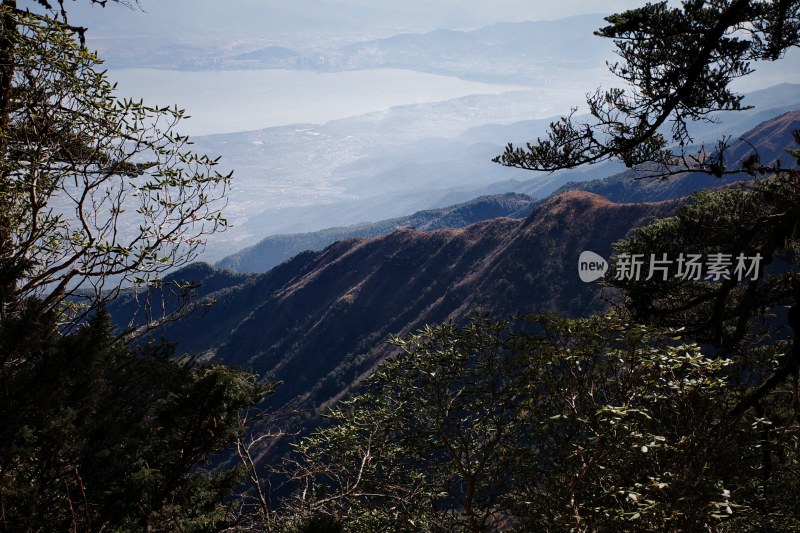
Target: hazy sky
513	10
220	27
264	16
490	9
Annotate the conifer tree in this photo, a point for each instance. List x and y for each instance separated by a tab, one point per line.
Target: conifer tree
97	436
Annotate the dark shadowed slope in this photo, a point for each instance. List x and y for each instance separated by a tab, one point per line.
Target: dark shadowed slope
320	320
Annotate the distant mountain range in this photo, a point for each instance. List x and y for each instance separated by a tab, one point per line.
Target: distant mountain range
520	52
277	248
184	29
771	137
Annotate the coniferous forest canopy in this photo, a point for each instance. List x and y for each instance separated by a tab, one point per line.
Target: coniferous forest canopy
441	371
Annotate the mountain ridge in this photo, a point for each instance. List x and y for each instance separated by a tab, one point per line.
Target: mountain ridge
370	180
275	249
320	320
468	54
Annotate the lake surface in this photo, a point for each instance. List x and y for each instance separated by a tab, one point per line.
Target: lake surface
241	100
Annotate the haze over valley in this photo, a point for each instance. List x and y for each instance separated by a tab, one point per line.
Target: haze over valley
358	113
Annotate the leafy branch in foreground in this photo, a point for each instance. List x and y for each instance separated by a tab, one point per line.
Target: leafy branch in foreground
95	434
550	424
677	64
95	190
760	219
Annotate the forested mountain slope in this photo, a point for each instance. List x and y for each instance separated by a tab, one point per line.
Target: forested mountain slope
320	321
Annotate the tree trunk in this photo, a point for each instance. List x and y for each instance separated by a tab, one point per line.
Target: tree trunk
8	274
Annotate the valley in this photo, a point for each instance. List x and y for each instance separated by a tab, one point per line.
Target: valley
344	301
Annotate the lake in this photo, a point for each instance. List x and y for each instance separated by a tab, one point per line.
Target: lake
226	101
